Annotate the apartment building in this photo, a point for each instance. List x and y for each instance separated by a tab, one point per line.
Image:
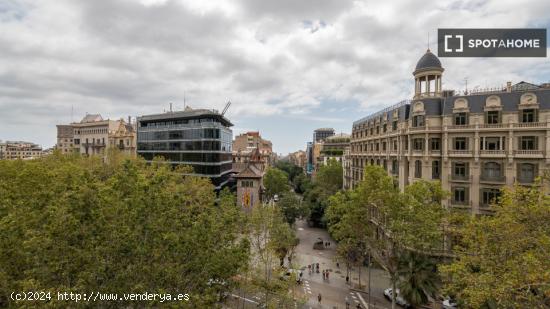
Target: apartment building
474	143
93	135
13	150
244	145
298	158
333	148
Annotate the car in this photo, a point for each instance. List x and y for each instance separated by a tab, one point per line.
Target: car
275	198
450	303
398	299
287	274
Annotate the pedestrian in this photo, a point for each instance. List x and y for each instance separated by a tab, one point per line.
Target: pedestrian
347	279
337	265
359	306
327	274
323	275
347	302
319	298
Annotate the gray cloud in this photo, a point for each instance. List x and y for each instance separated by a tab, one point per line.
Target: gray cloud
287	57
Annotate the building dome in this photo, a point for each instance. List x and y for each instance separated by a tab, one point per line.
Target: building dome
428	61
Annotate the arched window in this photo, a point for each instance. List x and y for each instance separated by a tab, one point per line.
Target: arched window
418	169
527	172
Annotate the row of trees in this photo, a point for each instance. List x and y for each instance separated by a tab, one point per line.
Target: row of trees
75	224
501	260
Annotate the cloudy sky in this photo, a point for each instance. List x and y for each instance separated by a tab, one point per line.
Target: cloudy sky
288	66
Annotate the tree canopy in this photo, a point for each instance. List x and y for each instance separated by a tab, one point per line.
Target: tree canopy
275	182
69	223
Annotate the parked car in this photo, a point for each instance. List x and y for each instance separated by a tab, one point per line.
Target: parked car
275	198
287	274
398	299
450	303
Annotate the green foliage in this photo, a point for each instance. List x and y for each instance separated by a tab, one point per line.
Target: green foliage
327	182
418	278
504	259
275	182
289	168
78	224
291	207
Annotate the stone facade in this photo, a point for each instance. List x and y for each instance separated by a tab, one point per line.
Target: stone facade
13	150
474	143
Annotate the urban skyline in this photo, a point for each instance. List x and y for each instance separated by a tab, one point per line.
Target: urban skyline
270	66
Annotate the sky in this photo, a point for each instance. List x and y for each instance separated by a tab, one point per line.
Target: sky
287	66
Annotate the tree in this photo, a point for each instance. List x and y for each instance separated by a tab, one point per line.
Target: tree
503	260
291	207
291	169
71	223
418	278
327	182
275	182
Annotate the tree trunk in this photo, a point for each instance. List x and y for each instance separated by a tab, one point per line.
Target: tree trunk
393	294
360	266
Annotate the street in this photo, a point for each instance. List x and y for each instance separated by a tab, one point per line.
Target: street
334	290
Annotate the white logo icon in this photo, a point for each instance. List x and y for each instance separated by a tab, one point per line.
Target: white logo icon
460	37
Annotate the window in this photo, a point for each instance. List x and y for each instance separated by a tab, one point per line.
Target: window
491	143
418	144
529	115
461	143
406	144
418	121
460	170
493	117
435	144
394	126
461	119
489	196
377	129
384	128
435	170
395	145
395	167
417	169
527	172
492	170
528	143
459	195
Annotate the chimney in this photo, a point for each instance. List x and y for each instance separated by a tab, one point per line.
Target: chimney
508	86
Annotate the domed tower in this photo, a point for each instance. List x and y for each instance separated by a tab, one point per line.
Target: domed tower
427	76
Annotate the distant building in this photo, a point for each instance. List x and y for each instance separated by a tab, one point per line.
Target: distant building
309	158
245	144
321	134
346	165
298	158
333	148
13	150
199	138
93	135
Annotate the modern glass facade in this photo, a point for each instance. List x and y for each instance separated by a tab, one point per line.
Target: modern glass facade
201	139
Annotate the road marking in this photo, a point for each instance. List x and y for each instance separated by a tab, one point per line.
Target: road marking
245	299
362	300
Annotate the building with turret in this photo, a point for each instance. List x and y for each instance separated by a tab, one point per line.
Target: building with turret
475	143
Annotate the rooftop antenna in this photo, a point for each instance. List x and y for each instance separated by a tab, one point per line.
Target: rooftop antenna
72	113
184	100
170	107
466	82
226	107
428	40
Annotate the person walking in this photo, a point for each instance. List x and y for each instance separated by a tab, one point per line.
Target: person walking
347	302
327	274
337	265
319	298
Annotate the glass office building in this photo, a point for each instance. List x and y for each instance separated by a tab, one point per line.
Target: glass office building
199	138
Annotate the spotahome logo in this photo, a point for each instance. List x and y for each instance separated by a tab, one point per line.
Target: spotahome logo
491	42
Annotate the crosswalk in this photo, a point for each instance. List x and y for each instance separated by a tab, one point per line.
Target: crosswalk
354	297
307	289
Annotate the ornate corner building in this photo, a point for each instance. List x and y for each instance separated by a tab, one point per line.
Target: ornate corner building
475	143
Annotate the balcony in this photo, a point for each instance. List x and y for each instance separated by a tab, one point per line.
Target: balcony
461	127
530	125
460	178
97	145
525	180
420	128
460	153
492	179
528	154
461	205
492	153
493	126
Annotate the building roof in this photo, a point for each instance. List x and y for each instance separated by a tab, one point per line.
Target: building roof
188	113
91	118
428	61
250	171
